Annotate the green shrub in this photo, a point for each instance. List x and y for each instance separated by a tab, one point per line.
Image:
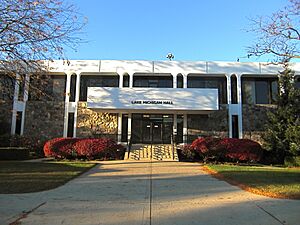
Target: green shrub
292	161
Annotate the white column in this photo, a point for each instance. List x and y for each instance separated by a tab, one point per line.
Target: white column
130	80
229	105
129	126
119	127
25	99
15	100
67	100
76	104
174	80
185	128
228	88
174	124
121	80
184	76
240	115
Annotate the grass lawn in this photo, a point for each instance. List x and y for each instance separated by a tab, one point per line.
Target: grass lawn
24	177
265	180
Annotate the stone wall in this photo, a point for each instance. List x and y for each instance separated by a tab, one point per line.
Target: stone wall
6	108
212	124
254	120
92	123
44	119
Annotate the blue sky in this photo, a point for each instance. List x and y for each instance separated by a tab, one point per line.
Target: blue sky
208	30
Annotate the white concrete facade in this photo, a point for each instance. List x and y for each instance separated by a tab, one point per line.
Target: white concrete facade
122	68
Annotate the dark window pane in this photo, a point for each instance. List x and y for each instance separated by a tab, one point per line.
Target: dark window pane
210	82
125	81
233	90
47	88
179	81
72	88
18	123
70	125
248	91
96	81
153	81
274	91
262	92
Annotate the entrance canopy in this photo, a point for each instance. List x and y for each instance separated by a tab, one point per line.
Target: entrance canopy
171	99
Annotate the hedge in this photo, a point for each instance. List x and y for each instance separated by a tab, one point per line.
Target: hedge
83	148
226	149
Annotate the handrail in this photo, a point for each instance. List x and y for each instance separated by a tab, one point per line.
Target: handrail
173	143
129	144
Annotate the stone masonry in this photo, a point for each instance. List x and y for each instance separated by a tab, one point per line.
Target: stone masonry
44	119
254	120
5	116
91	123
213	124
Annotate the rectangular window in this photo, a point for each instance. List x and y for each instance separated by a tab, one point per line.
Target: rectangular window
219	83
18	123
96	81
7	87
153	81
124	136
70	125
235	126
259	90
47	88
21	82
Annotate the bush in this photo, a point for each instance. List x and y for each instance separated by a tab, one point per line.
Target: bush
208	148
292	161
227	149
243	150
87	148
60	148
34	145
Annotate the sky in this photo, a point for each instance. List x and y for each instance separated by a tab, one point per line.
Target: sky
203	30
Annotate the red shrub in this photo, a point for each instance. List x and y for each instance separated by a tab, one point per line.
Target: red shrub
60	148
208	147
242	149
228	149
90	148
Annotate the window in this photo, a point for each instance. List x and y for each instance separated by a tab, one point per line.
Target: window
72	88
96	81
153	81
70	125
18	123
220	83
126	80
233	81
47	87
7	86
235	126
179	81
259	90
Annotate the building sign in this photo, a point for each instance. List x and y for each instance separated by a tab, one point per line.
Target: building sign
111	98
152	102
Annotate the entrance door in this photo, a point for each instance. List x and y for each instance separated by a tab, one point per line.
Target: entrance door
152	128
152	132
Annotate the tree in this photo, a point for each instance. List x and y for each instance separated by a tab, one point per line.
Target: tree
282	136
34	30
278	35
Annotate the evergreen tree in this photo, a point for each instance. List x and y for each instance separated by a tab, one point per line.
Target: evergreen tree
282	137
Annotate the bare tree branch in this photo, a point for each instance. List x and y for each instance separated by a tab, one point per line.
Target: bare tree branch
278	35
34	30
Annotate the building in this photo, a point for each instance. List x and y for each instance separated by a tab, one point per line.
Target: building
144	101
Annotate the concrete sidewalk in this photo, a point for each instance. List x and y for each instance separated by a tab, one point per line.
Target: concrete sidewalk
131	192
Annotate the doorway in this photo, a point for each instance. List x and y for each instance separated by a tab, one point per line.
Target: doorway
152	128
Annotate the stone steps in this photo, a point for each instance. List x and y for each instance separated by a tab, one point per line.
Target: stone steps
158	152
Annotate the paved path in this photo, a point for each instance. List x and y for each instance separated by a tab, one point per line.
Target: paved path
145	193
